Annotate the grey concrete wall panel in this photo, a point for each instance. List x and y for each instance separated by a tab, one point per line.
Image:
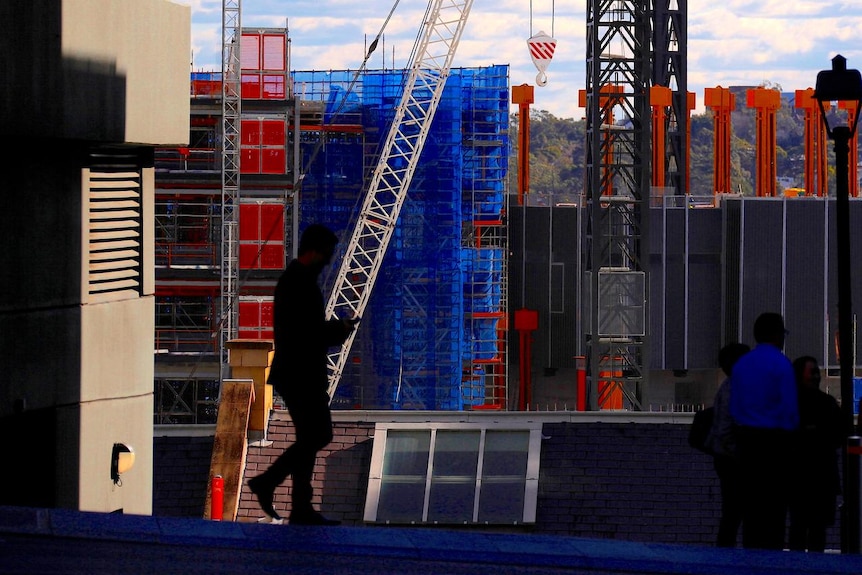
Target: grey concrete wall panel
656	288
529	237
806	302
731	296
855	272
564	332
81	76
704	287
674	295
762	261
686	283
545	250
42	219
108	71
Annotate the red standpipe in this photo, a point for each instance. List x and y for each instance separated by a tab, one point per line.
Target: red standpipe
581	363
526	322
217	503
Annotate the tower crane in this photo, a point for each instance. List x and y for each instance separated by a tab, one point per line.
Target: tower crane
431	62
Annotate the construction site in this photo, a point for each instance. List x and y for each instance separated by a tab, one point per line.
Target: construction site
434	333
166	202
436	253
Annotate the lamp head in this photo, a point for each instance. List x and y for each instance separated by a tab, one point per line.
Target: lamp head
122	460
838	84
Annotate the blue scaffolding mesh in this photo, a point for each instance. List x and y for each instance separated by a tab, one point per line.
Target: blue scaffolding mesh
431	334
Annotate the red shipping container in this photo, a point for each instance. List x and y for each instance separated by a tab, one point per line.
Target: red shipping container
261	236
249	222
264	66
263	147
272	161
250	88
249	161
255	319
274	87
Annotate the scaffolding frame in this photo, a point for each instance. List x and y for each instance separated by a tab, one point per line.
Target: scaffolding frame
231	103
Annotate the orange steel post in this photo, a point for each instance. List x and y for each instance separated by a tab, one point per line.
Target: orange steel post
691	104
523	96
814	143
853	164
722	102
659	100
608	98
766	102
822	158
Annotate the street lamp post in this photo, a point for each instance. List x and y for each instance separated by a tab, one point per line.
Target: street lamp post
841	84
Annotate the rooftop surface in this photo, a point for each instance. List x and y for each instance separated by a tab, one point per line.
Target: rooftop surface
62	541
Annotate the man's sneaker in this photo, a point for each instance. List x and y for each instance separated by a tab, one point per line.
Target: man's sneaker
311	518
264	494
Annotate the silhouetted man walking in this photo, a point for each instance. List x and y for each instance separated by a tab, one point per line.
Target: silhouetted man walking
299	374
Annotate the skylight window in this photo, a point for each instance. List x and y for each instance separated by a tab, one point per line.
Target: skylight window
454	473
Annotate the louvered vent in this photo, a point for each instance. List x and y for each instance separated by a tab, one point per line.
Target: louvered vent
115	225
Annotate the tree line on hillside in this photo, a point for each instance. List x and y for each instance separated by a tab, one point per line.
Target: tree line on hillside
557	152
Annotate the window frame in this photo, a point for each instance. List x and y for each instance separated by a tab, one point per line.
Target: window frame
376	477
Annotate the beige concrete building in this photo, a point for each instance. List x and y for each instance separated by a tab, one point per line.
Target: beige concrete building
89	88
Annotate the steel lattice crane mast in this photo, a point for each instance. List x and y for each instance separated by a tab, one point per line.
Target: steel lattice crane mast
431	63
617	197
231	113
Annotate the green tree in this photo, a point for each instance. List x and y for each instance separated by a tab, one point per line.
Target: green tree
557	151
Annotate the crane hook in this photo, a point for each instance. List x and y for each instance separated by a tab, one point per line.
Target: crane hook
541	51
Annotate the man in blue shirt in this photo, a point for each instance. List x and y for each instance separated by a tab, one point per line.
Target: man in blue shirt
763	403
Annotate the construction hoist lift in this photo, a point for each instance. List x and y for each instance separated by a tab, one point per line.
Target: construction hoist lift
431	62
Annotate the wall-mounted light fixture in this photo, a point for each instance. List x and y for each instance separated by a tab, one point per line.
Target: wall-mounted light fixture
122	459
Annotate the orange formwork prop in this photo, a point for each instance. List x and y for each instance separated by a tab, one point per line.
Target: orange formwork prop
659	101
815	144
766	102
523	96
722	102
609	96
853	164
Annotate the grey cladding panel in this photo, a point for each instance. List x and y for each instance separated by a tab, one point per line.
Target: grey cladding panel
762	265
806	307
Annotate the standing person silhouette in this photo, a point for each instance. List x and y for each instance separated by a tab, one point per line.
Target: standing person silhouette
721	441
763	403
816	480
299	374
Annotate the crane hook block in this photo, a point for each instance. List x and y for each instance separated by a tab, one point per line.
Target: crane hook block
541	51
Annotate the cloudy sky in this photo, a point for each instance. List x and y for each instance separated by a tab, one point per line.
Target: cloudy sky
731	42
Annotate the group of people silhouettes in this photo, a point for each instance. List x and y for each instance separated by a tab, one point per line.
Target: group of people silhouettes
774	438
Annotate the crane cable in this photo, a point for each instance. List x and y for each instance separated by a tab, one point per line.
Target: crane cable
553	14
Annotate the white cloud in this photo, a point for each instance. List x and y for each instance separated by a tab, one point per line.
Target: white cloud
733	42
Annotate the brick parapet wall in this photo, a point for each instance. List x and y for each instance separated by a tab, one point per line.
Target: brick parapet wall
340	474
620	480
